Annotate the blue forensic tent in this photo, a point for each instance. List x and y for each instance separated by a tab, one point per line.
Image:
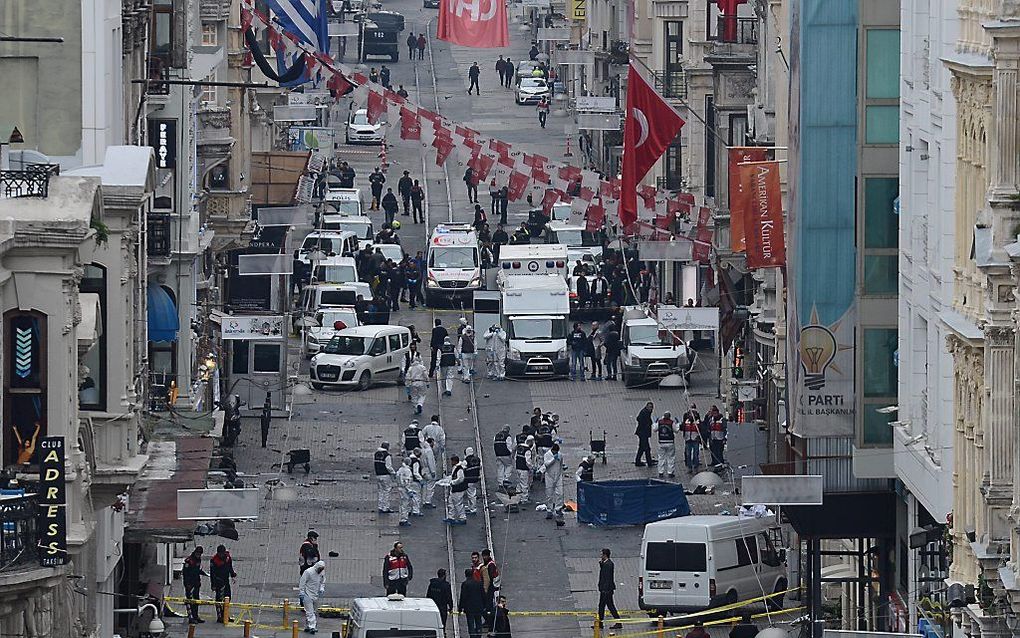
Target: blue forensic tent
630	502
163	321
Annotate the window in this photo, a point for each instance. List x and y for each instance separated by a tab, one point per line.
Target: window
877	428
881	124
208	95
405	338
92	389
378	348
24	386
709	144
881	275
675	557
747	551
162	29
239	356
881	236
265	357
210	37
674	165
394	343
883	63
880	362
673	45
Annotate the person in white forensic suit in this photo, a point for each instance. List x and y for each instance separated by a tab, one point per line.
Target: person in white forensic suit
384	474
524	463
552	467
311	586
417	380
495	352
436	432
429	473
503	446
405	486
417	481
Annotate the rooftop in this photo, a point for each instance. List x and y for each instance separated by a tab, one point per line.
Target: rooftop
69	202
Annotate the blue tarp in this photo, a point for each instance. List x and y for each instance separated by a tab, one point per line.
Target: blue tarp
163	321
631	502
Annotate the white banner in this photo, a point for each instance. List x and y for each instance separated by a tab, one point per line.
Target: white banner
684	318
595	104
258	327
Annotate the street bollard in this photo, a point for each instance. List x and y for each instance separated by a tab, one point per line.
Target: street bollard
286	610
293	629
226	610
597	627
191	631
247	629
660	632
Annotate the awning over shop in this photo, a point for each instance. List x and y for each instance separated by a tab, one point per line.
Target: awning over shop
91	325
163	321
173	465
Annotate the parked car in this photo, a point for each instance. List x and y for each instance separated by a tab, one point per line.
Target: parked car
361	131
531	90
525	69
359	357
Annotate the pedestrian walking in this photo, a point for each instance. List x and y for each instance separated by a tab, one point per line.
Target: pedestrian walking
436	432
402	92
417	380
404	186
405	487
429	473
221	571
607	586
493	197
504	202
552	469
577	341
472	603
384	476
390	206
471	181
417	197
644	434
502	445
692	444
397	570
412	45
473	476
376	179
422	43
267	417
455	500
308	553
191	574
440	592
501	621
495	352
373	75
717	442
384	76
533	52
468	354
613	346
543	111
447	367
665	427
473	74
413	437
501	70
311	586
439	335
595	351
524	462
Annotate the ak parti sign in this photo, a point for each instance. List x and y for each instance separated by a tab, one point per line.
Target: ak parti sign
52	498
737	193
763	214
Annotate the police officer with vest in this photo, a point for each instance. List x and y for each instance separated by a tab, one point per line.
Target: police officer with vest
473	476
384	474
544	437
692	443
666	429
455	500
586	470
502	446
717	440
412	437
524	461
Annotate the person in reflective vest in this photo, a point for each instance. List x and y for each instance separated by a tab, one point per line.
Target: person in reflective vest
473	476
717	442
666	429
397	570
502	445
586	470
692	444
544	437
455	499
447	366
412	437
524	461
384	474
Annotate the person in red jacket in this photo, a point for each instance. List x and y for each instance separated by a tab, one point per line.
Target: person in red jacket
221	570
397	570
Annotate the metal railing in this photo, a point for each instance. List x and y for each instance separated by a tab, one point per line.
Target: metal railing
18	538
31	181
158	239
671	84
743	30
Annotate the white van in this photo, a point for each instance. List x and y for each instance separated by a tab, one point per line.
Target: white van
693	563
360	225
344	201
394	617
358	357
533	311
454	266
336	270
329	242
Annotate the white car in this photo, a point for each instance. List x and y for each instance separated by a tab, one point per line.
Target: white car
361	131
358	224
532	90
326	324
389	251
359	357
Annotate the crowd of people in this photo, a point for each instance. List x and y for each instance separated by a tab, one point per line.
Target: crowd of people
697	433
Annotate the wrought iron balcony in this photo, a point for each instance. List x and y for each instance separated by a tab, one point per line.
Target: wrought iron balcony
741	30
31	181
18	539
158	239
671	84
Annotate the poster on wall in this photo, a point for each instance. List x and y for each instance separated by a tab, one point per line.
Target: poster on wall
260	327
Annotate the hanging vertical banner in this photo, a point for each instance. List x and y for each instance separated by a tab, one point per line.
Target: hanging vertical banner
578	9
52	502
481	24
518	183
738	198
444	146
763	223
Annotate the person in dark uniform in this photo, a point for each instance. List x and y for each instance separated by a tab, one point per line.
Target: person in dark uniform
267	417
607	585
439	335
309	552
440	592
221	570
191	574
644	434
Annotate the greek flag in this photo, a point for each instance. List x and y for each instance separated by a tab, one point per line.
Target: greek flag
306	19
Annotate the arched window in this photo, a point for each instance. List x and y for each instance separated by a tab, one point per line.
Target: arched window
92	386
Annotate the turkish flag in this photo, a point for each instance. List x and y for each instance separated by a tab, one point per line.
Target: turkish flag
481	24
650	126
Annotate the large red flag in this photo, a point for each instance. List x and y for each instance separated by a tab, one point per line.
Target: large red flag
480	24
650	126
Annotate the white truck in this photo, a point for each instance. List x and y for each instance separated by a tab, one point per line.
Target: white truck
532	259
651	352
454	265
534	312
394	617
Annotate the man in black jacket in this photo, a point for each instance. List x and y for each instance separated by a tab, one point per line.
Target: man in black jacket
644	433
439	335
472	603
390	206
745	628
221	570
404	185
191	574
440	592
501	624
607	585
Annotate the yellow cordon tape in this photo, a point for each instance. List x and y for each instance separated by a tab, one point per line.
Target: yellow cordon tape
680	628
737	605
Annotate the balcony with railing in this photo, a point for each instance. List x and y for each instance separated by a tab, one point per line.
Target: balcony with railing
31	181
736	30
158	239
671	84
18	538
159	69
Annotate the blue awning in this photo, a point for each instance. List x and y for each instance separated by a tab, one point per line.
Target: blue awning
163	321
